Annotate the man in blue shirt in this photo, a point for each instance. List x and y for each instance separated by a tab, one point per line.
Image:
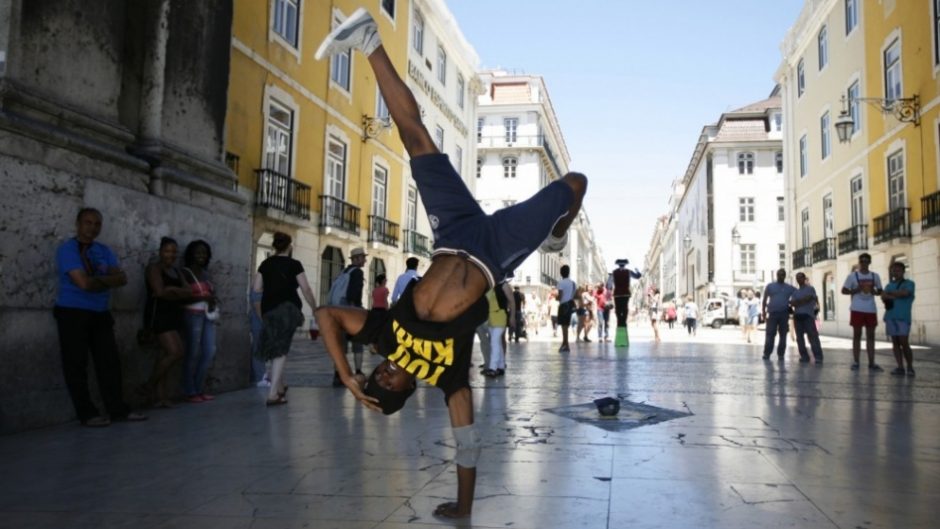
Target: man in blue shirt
87	271
898	297
805	302
776	311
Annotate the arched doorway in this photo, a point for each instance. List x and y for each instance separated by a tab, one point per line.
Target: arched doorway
331	264
376	267
829	297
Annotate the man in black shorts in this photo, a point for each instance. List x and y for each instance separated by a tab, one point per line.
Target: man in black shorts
428	333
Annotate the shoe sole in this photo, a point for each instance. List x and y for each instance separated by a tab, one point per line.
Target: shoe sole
344	30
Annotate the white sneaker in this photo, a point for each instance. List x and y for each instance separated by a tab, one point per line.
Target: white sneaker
358	31
264	383
554	244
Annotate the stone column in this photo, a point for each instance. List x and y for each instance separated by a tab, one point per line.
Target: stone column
154	76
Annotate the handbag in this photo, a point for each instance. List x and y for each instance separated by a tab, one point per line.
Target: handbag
214	313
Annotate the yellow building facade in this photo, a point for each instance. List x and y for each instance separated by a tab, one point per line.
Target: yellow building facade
902	51
311	141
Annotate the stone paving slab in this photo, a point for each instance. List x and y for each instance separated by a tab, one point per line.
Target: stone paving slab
759	444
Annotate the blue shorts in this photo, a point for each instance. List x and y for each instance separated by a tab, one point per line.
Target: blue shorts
496	243
898	327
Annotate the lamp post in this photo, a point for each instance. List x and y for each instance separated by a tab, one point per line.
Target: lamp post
905	109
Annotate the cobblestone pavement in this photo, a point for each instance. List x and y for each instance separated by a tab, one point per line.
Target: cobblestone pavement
709	436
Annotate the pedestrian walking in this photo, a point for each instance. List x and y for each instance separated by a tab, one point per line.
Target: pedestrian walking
501	315
805	305
346	291
690	313
553	312
440	313
277	280
671	315
200	318
654	301
863	285
516	330
567	306
87	272
752	318
775	308
898	298
380	293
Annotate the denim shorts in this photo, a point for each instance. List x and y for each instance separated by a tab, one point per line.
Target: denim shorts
496	243
898	327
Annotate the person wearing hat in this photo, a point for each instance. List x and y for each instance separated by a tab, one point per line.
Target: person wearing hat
353	298
619	283
428	334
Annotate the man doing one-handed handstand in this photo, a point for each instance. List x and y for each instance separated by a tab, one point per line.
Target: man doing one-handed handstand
428	333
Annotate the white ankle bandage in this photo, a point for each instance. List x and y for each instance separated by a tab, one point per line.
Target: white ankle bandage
468	446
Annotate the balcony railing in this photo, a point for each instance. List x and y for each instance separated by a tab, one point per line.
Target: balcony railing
824	250
383	230
518	140
417	244
547	279
895	224
335	213
853	239
802	258
278	191
930	210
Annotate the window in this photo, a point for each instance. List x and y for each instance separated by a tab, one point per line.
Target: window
439	138
782	255
441	65
336	169
804	161
461	88
389	7
746	163
778	161
411	218
829	297
851	15
858	201
331	265
853	94
340	65
510	125
746	209
381	108
286	20
828	221
781	209
379	188
417	33
479	167
458	159
748	258
936	32
825	145
822	47
778	121
804	228
509	167
800	78
480	130
279	139
893	70
896	194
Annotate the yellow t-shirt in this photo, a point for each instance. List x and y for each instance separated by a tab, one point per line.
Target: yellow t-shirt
498	316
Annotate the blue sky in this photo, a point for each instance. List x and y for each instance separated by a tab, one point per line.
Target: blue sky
633	82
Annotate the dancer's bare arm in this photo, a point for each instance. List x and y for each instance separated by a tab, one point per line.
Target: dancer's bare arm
335	323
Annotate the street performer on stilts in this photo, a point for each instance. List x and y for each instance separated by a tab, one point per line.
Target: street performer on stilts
619	283
428	334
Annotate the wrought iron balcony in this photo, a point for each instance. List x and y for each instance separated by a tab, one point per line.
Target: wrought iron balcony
802	258
336	213
824	250
853	239
930	210
895	224
281	192
417	244
383	230
547	279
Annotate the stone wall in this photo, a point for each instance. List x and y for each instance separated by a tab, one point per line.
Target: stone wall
81	125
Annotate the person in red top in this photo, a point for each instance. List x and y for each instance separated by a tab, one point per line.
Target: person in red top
380	293
603	313
620	282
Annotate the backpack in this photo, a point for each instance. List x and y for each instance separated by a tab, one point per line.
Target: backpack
338	289
501	297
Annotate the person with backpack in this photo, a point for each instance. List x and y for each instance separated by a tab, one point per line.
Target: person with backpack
346	291
428	334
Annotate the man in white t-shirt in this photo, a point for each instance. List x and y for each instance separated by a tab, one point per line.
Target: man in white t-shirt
863	285
566	305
